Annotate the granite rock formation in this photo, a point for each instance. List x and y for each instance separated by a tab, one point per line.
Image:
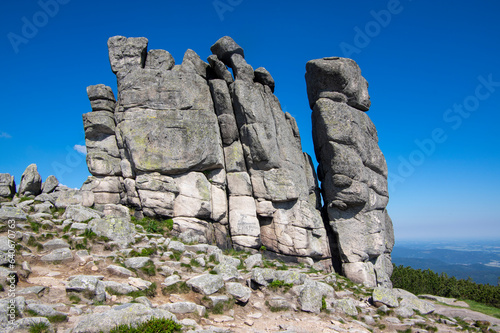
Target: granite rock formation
352	170
214	152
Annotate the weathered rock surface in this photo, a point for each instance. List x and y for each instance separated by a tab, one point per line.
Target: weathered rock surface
124	314
191	142
7	186
31	182
352	169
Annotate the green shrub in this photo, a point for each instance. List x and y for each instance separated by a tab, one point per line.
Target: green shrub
155	226
279	284
154	325
419	281
39	328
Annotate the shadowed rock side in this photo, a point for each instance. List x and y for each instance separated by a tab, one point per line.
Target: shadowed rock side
352	169
214	152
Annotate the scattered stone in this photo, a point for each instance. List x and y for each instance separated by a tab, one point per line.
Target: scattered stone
173	279
184	307
44	310
206	284
253	260
139	283
347	306
137	262
238	291
30	290
50	184
90	285
58	255
54	244
119	271
385	296
119	288
176	246
227	272
312	295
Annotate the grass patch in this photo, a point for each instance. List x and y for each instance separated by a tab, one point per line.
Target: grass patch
35	226
155	226
176	288
145	252
154	325
89	234
176	255
74	299
39	328
194	263
213	259
59	318
279	284
23	199
149	269
268	264
487	310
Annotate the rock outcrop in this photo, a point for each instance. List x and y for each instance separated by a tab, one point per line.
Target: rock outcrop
215	153
352	170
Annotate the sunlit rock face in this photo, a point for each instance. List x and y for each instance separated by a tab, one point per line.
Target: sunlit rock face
212	150
352	170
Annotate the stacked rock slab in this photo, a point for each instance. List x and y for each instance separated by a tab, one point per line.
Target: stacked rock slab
214	152
7	186
352	169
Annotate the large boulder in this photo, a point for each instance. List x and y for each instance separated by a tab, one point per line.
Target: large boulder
31	182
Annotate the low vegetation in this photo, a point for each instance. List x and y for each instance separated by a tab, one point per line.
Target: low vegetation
155	226
419	281
154	325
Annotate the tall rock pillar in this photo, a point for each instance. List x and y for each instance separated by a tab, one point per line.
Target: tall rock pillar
352	170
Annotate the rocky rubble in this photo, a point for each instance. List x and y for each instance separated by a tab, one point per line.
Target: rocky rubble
70	279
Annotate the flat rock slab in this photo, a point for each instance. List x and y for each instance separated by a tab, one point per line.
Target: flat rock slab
63	254
30	290
206	284
124	314
12	213
137	262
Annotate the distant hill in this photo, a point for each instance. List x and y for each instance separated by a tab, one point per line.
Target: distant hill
480	264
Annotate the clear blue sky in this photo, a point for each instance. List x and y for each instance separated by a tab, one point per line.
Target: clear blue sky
421	61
